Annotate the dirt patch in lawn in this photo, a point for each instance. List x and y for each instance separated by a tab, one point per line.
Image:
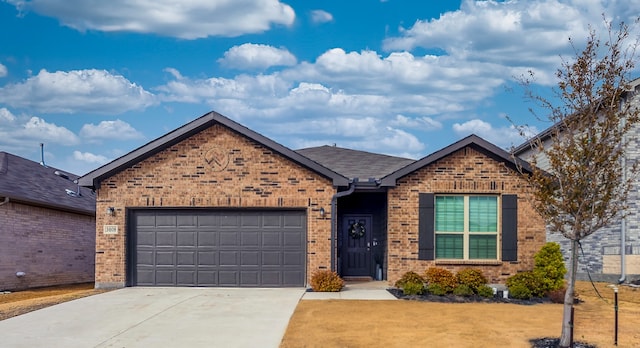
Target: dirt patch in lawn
407	323
19	302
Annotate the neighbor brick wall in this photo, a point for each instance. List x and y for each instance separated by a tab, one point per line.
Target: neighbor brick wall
178	176
466	171
52	247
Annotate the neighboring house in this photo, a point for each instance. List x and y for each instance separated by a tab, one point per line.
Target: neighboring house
611	253
47	230
214	203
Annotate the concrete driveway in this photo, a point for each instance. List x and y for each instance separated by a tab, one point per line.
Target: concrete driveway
159	317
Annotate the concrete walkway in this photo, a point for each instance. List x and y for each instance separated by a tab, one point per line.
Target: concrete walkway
375	290
158	317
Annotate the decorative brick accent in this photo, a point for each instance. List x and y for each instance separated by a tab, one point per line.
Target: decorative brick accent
467	171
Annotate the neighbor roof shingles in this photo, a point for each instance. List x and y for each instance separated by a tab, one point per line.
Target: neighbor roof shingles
30	182
353	163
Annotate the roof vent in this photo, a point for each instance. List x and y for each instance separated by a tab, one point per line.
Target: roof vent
42	155
61	174
71	193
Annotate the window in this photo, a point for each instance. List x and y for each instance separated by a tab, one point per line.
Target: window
466	227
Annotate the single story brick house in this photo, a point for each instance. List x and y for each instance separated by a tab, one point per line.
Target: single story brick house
47	226
214	203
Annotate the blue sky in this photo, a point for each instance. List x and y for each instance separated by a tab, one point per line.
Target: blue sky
93	79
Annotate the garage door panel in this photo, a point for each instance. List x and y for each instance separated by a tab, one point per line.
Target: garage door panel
228	258
219	248
228	239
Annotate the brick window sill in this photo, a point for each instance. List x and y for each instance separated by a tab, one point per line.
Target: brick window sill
470	262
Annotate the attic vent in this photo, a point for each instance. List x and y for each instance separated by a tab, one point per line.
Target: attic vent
61	174
71	193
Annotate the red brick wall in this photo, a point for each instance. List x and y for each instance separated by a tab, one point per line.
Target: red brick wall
52	247
180	177
466	171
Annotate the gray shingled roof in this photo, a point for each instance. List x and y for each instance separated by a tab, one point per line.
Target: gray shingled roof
29	182
353	163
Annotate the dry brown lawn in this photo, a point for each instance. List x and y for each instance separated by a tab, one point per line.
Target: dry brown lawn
345	323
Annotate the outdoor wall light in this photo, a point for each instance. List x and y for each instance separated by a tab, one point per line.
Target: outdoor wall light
322	212
111	211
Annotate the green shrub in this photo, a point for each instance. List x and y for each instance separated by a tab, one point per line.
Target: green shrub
436	289
485	291
409	277
326	281
463	290
528	280
442	277
472	277
520	291
549	267
411	288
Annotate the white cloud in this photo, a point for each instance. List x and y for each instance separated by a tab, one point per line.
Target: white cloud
24	131
6	116
3	70
254	56
86	91
321	16
502	136
424	123
90	158
109	130
183	19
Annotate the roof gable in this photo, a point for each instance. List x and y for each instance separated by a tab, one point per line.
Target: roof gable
29	182
93	178
473	140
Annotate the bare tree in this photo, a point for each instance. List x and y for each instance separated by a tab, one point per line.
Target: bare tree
586	182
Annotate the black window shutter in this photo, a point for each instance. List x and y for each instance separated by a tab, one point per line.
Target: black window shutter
509	228
426	231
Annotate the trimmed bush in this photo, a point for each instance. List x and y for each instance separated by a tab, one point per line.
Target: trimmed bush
549	267
436	289
528	280
485	291
520	291
409	277
326	281
411	288
463	290
471	277
442	277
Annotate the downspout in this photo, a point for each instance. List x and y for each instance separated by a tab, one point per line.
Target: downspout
623	223
5	201
334	220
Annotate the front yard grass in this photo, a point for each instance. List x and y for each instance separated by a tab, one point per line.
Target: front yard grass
346	323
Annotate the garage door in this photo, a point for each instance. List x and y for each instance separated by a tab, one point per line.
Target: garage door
218	248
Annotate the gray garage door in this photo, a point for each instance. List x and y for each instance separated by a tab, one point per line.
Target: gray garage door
218	248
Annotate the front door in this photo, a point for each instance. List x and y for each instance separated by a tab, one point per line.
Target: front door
356	245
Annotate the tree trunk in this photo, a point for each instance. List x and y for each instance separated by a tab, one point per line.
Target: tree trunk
567	325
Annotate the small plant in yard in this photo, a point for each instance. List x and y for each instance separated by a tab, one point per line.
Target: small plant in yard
409	277
525	285
326	281
436	289
463	290
442	277
549	267
411	288
471	277
485	291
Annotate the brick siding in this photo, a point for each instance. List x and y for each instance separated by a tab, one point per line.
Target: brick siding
179	176
466	171
52	247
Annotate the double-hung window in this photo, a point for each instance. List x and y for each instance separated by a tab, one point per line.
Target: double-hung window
466	227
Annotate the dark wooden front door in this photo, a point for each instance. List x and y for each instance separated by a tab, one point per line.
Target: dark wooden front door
356	249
